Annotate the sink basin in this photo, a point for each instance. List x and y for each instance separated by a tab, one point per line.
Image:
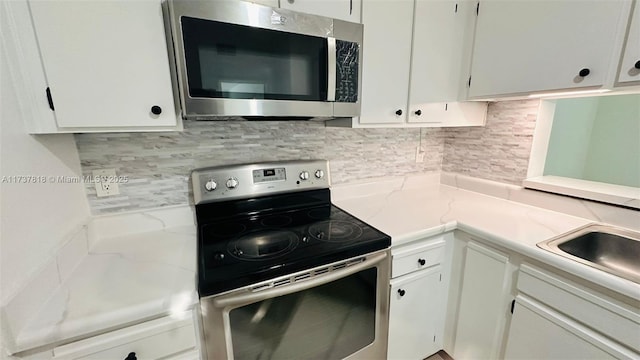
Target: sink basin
610	249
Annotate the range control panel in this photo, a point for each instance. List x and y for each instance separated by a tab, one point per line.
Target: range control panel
223	183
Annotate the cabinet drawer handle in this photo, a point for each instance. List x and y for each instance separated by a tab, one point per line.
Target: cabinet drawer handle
401	292
637	65
156	110
131	356
422	262
398	112
584	72
418	112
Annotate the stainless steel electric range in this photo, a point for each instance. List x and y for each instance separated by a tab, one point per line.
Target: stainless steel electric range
283	273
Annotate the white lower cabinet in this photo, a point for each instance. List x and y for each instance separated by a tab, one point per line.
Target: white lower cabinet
415	312
538	332
555	318
484	304
165	338
416	307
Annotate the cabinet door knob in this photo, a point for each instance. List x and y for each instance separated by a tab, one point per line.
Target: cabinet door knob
584	72
401	292
637	65
131	356
156	110
418	112
422	262
399	112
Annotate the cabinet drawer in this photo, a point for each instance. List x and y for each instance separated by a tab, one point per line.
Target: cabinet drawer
150	340
608	316
413	258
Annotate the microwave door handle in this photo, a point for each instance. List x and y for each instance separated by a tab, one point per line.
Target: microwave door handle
331	69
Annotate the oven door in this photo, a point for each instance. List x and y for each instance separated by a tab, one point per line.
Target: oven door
330	312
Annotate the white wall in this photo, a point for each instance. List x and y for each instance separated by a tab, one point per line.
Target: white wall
36	218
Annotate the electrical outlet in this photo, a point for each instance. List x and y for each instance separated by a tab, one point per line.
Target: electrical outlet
419	154
106	184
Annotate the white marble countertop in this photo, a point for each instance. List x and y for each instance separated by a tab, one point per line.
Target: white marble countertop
124	279
142	266
415	208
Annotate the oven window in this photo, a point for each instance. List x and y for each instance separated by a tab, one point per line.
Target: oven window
330	321
242	62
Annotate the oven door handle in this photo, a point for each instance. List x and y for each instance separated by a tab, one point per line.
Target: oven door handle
331	69
248	297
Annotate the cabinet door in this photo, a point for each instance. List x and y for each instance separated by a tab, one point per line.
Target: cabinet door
442	37
347	10
483	304
531	45
537	332
630	65
272	3
414	315
386	54
154	339
106	62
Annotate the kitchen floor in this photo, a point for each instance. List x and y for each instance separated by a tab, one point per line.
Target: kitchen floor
440	355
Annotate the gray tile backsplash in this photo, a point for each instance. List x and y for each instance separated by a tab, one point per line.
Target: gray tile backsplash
158	164
498	151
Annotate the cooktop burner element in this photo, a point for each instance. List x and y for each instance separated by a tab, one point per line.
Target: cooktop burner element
273	219
335	230
263	245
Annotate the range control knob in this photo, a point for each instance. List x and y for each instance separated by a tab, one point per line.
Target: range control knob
304	175
232	183
319	174
210	185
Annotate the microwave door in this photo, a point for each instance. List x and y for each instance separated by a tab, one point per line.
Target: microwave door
331	69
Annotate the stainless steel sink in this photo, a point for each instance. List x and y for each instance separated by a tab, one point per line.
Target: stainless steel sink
610	249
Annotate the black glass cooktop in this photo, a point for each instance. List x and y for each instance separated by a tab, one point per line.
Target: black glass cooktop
241	244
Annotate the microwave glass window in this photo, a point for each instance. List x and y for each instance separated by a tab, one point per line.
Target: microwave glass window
241	62
331	321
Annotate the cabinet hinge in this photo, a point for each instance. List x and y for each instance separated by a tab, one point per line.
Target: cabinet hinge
456	8
469	81
50	99
513	305
440	277
434	338
477	8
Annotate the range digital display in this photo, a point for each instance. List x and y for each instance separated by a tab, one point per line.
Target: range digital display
267	175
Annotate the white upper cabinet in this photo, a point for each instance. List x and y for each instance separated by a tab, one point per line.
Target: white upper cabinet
630	64
347	10
535	46
416	63
386	57
272	3
106	64
440	64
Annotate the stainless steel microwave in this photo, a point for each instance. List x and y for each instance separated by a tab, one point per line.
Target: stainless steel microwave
240	59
